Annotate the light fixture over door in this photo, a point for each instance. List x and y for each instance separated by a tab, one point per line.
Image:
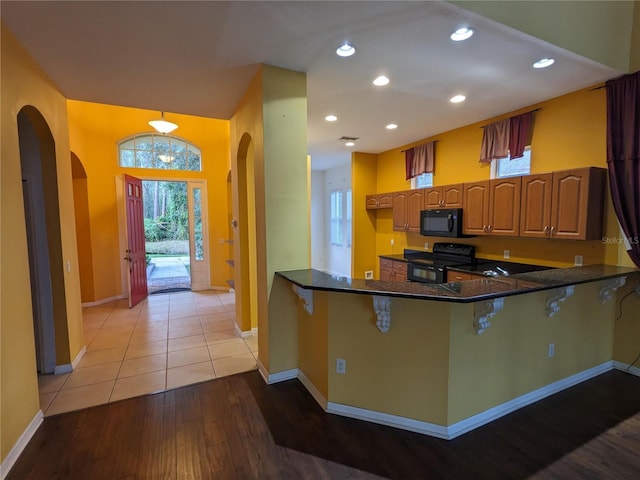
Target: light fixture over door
162	125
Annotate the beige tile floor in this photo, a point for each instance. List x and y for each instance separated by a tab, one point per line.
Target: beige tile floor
167	341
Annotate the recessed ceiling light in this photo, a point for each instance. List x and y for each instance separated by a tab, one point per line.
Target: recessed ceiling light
345	50
457	99
331	118
391	126
461	34
381	81
544	63
350	144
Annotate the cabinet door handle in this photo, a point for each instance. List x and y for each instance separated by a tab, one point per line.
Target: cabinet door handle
553	230
490	228
546	229
484	228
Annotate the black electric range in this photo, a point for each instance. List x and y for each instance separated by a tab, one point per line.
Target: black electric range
429	267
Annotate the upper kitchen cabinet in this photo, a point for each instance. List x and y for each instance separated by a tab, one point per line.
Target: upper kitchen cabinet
381	200
406	210
567	204
492	207
445	196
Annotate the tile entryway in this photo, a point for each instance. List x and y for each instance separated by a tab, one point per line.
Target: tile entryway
168	341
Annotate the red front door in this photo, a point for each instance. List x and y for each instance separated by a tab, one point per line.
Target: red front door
136	254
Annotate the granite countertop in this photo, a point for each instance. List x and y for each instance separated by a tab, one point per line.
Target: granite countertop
463	292
398	257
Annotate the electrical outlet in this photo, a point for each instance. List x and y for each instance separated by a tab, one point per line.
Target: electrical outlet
368	275
552	350
577	260
341	366
393	242
426	245
507	254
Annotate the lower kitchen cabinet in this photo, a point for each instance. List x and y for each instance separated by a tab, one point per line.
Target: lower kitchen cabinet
393	270
454	276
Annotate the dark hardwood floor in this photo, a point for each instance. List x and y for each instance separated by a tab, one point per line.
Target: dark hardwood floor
239	428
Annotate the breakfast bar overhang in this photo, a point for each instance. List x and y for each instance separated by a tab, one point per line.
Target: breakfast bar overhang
443	359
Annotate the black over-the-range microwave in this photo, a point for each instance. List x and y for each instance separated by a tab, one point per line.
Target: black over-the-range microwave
441	222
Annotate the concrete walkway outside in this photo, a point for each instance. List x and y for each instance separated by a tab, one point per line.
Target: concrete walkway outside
168	273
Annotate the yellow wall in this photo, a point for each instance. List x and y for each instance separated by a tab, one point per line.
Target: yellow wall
247	154
313	342
511	359
363	181
626	343
23	83
569	132
402	372
95	129
273	113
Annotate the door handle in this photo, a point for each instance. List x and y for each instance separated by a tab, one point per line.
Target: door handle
553	230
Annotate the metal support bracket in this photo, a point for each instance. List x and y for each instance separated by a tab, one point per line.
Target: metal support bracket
306	296
609	286
382	307
556	297
483	311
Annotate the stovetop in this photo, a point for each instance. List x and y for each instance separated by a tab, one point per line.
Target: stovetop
444	254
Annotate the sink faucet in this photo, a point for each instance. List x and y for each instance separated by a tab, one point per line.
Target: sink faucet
502	271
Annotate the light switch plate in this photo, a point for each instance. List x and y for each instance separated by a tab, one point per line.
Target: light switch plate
507	254
577	260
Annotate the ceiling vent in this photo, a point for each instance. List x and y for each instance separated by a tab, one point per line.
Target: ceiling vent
348	139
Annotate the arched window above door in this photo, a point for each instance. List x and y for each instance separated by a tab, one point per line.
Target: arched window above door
163	152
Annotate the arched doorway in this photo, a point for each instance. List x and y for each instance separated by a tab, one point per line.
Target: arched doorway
83	228
245	238
42	221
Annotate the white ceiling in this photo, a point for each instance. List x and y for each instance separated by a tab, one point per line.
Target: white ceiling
197	58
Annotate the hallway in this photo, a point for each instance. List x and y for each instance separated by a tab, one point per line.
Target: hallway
168	341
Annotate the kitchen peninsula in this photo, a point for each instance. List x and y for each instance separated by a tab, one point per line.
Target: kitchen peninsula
442	359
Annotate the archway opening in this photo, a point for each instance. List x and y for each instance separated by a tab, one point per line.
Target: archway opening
42	222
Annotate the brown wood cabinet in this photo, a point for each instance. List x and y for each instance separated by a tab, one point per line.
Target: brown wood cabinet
380	200
393	270
567	204
406	210
454	276
445	196
492	207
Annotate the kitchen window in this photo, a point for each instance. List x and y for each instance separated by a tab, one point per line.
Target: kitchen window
341	203
336	218
422	181
504	167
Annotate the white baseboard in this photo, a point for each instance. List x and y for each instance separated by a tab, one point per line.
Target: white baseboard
471	423
244	334
276	377
311	388
20	445
396	421
498	411
70	367
221	289
624	367
104	300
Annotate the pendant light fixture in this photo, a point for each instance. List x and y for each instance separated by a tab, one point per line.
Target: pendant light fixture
162	125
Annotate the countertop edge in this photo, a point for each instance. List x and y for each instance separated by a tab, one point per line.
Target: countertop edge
317	280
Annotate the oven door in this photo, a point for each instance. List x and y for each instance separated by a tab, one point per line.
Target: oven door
420	272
